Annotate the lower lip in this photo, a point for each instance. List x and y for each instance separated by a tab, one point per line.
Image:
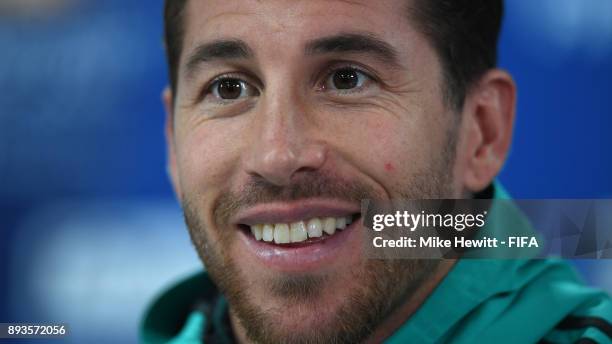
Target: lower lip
304	257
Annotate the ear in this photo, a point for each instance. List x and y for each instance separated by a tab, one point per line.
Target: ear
172	169
488	112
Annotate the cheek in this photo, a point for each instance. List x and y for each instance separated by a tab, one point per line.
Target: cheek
389	148
204	157
392	152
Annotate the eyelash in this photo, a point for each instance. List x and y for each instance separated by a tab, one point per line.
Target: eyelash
319	84
329	72
206	90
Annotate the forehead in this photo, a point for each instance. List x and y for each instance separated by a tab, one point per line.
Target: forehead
287	23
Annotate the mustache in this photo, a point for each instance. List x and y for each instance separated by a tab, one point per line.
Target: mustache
303	186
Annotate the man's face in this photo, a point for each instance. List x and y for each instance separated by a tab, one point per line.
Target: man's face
287	114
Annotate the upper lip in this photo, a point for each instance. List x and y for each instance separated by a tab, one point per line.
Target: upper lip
288	212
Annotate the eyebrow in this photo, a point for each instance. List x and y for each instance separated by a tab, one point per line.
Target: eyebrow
232	49
218	50
354	43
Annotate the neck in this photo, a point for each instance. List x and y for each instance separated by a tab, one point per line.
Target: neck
404	311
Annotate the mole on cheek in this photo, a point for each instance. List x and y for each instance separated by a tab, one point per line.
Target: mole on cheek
389	167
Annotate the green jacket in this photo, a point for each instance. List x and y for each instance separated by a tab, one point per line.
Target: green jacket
479	301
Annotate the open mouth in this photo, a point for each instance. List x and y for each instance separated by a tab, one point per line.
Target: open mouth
301	232
298	236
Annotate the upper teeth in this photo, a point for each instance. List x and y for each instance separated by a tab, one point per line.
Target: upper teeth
283	233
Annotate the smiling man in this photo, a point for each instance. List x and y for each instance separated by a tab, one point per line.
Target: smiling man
283	116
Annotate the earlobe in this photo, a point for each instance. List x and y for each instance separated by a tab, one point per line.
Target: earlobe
491	109
171	165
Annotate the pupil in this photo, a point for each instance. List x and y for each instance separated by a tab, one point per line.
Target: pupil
345	79
230	89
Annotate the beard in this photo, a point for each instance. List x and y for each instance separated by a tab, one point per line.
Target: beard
382	285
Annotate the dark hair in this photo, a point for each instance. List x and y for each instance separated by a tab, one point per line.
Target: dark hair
464	33
174	33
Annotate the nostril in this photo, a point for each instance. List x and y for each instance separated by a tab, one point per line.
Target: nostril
305	169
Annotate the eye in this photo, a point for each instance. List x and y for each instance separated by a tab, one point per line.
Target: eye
232	89
346	79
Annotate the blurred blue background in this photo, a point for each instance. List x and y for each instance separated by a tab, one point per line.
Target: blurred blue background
89	228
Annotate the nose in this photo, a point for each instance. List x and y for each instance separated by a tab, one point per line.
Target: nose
283	143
